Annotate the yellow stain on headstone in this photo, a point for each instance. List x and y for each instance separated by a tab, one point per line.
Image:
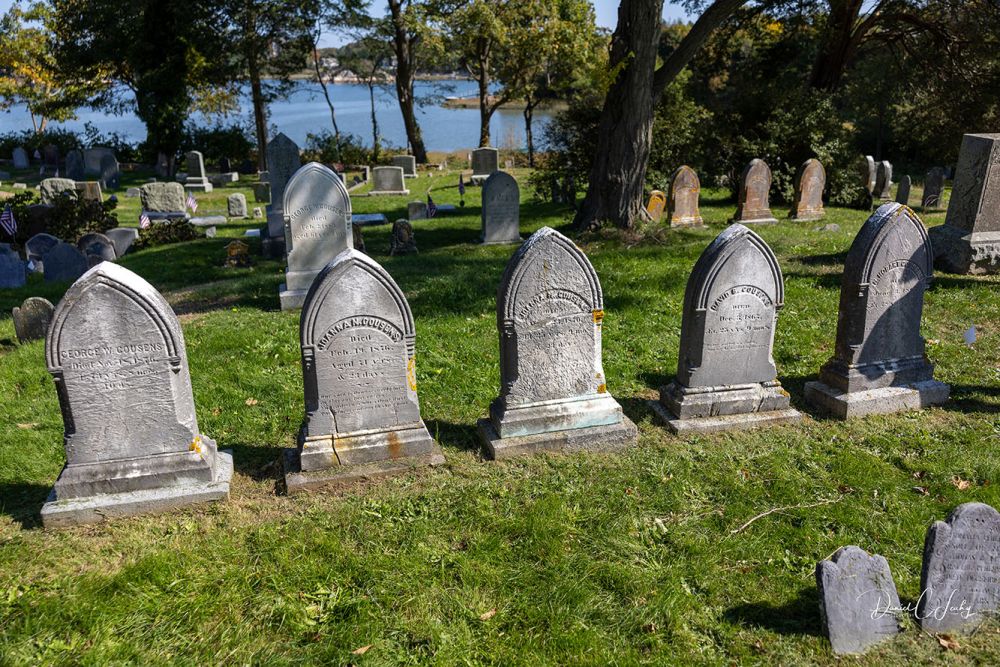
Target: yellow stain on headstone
411	373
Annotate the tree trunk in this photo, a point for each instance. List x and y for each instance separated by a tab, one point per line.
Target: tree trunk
836	49
403	46
326	94
259	113
529	111
485	112
375	140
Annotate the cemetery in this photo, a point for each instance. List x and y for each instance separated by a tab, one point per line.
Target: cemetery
247	419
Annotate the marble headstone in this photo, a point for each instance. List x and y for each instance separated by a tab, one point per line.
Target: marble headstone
726	377
90	190
933	189
903	190
969	240
501	212
416	210
163	200
879	364
485	161
553	393
51	189
122	238
283	161
868	170
960	579
362	416
317	213
21	160
809	185
682	205
110	173
63	263
857	600
754	195
407	162
75	167
32	318
388	181
97	248
883	181
12	268
116	353
196	179
236	205
402	241
37	246
657	203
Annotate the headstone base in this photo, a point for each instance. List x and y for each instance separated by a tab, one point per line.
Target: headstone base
765	220
550	416
723	422
381	193
198	184
101	507
478	179
807	216
511	241
687	222
340	475
272	248
291	299
883	400
608	437
958	252
738	399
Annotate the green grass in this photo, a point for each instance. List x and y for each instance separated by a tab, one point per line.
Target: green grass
596	560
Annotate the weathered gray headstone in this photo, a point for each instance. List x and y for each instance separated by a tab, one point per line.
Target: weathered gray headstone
553	393
282	162
64	263
37	246
12	268
163	200
358	363
485	161
261	192
960	579
726	377
116	353
21	160
123	238
196	178
236	205
388	181
682	204
75	166
92	159
110	173
97	248
969	240
858	602
754	195
32	318
501	212
416	210
402	241
883	181
809	185
317	228
868	174
52	189
933	189
408	164
903	190
879	365
90	190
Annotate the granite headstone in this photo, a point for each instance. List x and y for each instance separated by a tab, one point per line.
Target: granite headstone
868	174
485	161
37	246
122	238
89	190
97	248
64	263
402	241
110	172
20	158
388	181
501	211
407	162
883	181
12	268
283	161
163	200
933	189
92	159
903	190
51	189
76	169
196	179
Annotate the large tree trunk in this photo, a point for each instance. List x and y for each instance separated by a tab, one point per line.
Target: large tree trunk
529	111
838	44
259	113
403	46
326	94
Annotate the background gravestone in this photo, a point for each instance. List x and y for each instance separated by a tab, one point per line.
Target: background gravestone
809	185
879	365
131	436
868	174
162	165
196	178
501	212
75	167
408	163
754	194
50	158
388	181
969	239
32	318
903	190
485	162
36	247
236	205
97	248
122	238
416	210
358	364
933	189
553	393
90	190
857	600
883	181
12	268
283	161
960	579
402	241
163	200
726	377
92	159
110	173
682	205
20	158
317	228
63	263
50	189
657	202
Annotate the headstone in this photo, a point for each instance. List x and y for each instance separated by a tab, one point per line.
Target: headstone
969	240
90	190
317	228
97	248
555	195
501	213
50	157
553	393
358	363
163	200
237	254
726	377
407	162
122	238
960	579
654	207
809	185
933	189
37	247
282	161
116	353
402	241
883	181
75	167
754	194
903	191
220	180
92	159
110	174
64	263
868	174
879	365
682	205
52	189
225	166
32	318
12	268
416	210
132	192
858	602
261	192
236	205
196	179
485	161
388	181
21	160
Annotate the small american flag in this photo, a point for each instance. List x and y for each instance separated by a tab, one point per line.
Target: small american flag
432	208
192	203
144	221
461	184
8	222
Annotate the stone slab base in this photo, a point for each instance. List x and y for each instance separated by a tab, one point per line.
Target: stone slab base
103	507
380	193
723	422
272	248
686	222
198	186
757	221
807	216
478	179
296	480
291	299
958	251
883	400
606	438
502	241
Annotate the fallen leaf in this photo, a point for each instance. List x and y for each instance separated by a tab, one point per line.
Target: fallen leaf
948	643
919	474
922	490
27	426
251	401
960	484
933	341
362	650
216	412
488	615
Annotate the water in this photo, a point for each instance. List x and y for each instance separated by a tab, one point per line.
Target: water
305	111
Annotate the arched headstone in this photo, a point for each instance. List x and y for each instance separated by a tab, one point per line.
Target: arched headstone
553	393
657	202
726	377
933	189
903	190
12	268
97	248
501	213
402	241
868	174
36	248
110	173
883	181
754	195
32	319
809	185
682	207
63	263
75	166
879	365
116	353
362	415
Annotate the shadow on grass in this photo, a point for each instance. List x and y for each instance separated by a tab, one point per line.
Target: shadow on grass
964	399
257	462
23	502
462	437
832	259
823	280
955	281
796	617
635	408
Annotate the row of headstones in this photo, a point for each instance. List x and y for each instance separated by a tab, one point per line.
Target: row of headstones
100	162
60	261
51	189
876	179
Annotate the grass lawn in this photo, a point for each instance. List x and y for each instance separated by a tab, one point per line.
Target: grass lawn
546	560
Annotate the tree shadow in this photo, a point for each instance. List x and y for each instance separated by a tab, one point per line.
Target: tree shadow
834	259
462	437
22	502
964	400
799	616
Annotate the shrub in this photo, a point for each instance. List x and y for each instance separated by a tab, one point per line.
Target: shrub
125	150
324	148
234	142
69	218
63	139
162	233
